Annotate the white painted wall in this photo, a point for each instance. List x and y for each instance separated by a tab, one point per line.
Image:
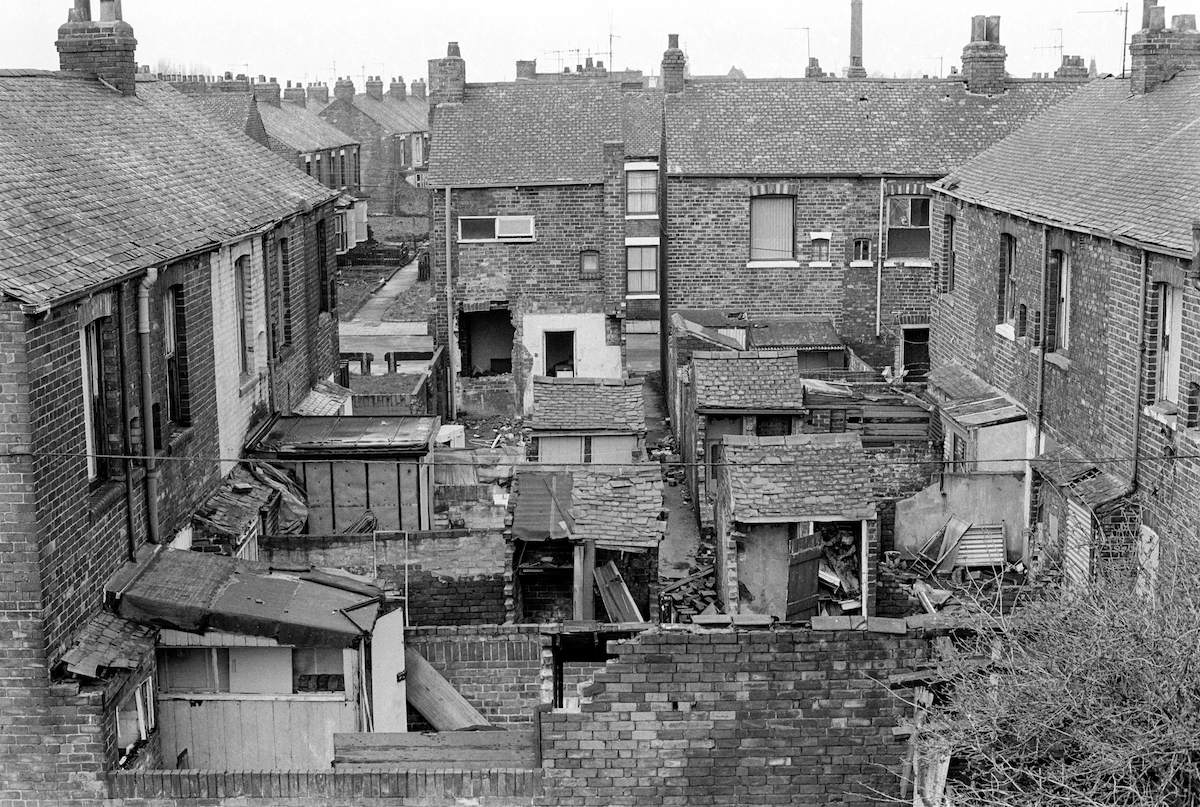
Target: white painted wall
593	358
390	705
236	401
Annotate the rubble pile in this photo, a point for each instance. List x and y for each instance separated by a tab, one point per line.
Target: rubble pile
694	594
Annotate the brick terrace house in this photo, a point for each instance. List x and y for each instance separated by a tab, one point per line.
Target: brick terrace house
392	129
551	229
165	285
298	136
1073	252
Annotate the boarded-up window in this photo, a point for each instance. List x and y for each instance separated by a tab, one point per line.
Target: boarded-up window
772	228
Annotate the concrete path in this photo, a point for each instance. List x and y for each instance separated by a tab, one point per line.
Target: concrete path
375	307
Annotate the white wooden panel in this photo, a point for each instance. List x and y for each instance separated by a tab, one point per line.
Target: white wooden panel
561	449
260	670
1077	548
611	448
383	494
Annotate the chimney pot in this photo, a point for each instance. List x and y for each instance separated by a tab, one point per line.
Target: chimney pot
452	51
984	57
672	40
1184	23
979	28
229	75
1158	18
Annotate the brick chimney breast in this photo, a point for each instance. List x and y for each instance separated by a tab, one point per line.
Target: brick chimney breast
418	88
267	92
674	65
318	93
397	89
983	59
447	77
375	87
343	90
1158	52
295	94
526	69
103	48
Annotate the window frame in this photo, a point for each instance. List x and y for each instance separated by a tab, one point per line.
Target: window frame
283	262
641	271
1006	289
1170	338
174	320
243	290
927	228
585	256
497	223
820	247
644	196
762	201
95	409
1058	330
856	255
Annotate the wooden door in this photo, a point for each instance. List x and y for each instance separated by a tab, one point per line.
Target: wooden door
804	562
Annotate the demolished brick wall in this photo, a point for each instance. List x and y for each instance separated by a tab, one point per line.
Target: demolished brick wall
762	717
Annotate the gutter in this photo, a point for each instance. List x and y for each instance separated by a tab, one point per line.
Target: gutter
151	460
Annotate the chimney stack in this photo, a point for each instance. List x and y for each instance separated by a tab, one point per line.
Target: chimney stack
104	48
983	59
295	95
375	87
1072	68
397	90
318	94
814	69
1159	52
674	65
856	69
417	89
526	69
267	92
447	77
343	90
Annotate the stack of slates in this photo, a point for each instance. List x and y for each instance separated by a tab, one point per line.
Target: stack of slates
694	594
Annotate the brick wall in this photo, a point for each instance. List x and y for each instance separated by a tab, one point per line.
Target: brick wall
455	577
709	222
765	717
499	669
382	158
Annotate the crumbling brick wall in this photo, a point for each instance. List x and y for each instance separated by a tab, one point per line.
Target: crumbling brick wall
735	718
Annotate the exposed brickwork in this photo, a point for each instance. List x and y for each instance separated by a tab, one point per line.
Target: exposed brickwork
734	718
453	577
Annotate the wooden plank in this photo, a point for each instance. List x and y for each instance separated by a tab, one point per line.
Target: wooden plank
955	529
615	594
434	697
383	495
471	750
320	500
410	505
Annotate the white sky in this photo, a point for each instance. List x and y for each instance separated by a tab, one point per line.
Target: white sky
303	40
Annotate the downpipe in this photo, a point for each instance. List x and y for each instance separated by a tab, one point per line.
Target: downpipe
151	460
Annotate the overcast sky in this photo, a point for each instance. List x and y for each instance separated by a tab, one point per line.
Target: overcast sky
303	40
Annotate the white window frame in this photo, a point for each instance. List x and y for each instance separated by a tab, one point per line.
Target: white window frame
649	241
1170	339
641	168
907	224
815	242
526	232
1062	334
89	353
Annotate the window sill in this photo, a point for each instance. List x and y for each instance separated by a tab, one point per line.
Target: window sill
497	240
1164	412
922	263
180	436
641	217
247	383
642	296
773	264
105	497
820	264
1007	331
862	264
251	696
1059	360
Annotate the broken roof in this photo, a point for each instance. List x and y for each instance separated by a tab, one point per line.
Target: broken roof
347	434
799	332
617	507
588	404
705	333
776	479
1105	161
199	592
323	400
747	380
101	185
804	127
970	401
109	642
1067	467
233	510
530	133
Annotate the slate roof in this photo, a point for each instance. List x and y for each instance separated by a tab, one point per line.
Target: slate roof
99	185
233	109
323	400
799	332
747	379
791	478
1067	467
619	508
1104	161
233	509
304	131
109	642
797	127
531	132
588	404
400	117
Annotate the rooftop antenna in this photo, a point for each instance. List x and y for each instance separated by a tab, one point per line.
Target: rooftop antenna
941	62
1057	47
807	42
1124	34
611	36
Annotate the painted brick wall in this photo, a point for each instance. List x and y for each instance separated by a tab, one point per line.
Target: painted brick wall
454	577
498	669
764	717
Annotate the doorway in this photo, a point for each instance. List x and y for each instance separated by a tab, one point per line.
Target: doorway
559	354
914	353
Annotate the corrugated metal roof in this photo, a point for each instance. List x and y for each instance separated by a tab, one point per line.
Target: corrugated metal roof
348	435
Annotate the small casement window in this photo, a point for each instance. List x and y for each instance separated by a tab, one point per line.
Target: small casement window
285	285
908	227
174	351
339	229
1006	289
862	249
641	192
1058	321
641	270
495	228
241	302
819	248
587	450
772	228
589	263
326	301
308	165
951	255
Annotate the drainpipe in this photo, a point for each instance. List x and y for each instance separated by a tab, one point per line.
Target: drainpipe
1043	328
879	267
451	392
1137	387
126	431
143	296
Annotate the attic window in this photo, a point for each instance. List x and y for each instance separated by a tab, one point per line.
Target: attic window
495	228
